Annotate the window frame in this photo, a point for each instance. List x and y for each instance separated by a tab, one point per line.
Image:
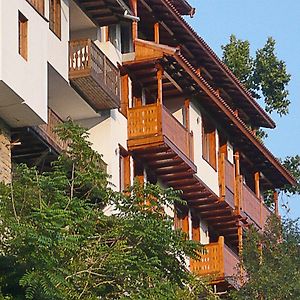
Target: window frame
23	36
55	17
209	143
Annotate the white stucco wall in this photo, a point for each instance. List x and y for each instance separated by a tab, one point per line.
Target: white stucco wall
58	48
28	79
204	171
204	235
106	138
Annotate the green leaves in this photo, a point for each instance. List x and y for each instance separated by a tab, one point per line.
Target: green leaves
236	55
263	75
271	76
56	243
271	260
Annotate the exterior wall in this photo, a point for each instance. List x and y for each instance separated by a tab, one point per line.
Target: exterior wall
24	81
204	171
204	236
5	153
106	138
58	48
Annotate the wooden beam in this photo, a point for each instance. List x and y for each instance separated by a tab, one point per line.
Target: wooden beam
156	33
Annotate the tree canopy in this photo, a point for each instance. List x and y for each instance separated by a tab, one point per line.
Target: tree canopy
263	75
271	261
56	242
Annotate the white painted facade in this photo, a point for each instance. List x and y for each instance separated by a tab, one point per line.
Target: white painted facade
23	84
204	170
43	80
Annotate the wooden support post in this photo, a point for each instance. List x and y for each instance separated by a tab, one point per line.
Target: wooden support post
106	34
257	193
187	114
159	84
237	183
185	224
256	181
221	173
276	203
240	240
156	33
139	171
124	95
195	228
221	168
134	23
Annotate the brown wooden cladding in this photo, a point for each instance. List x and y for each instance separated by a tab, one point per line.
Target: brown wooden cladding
253	207
216	260
48	133
93	75
154	121
38	5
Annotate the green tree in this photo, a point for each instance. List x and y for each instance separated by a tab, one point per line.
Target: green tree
272	262
263	75
57	243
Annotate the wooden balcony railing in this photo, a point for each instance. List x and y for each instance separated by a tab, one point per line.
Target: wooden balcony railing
150	122
253	207
39	5
47	132
93	75
216	260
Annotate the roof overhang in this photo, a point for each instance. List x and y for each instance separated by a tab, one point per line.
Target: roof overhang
201	55
194	84
105	12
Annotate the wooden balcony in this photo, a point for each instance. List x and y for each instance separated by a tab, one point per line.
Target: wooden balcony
154	124
93	75
157	139
217	261
161	142
47	131
254	208
38	145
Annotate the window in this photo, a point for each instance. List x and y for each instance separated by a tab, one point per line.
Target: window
120	35
209	142
55	17
23	36
124	165
38	5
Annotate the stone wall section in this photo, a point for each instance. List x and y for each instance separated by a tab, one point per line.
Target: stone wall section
5	153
